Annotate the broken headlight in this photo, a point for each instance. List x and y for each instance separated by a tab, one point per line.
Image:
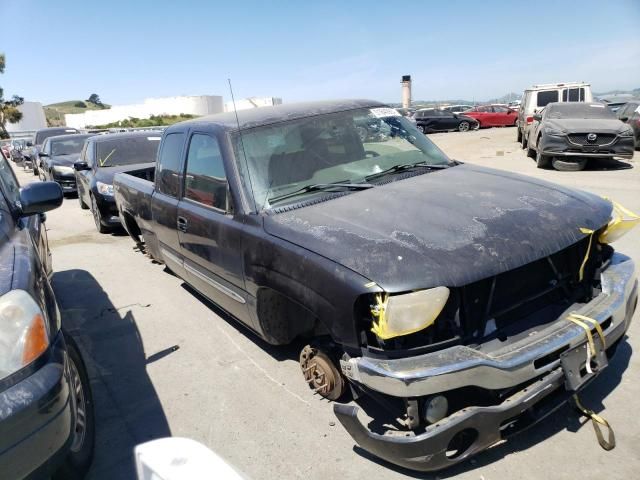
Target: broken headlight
408	313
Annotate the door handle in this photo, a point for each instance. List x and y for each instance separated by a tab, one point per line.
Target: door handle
182	224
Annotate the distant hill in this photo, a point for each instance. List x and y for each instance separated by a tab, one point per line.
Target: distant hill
55	111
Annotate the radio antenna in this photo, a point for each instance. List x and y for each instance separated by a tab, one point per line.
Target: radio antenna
244	153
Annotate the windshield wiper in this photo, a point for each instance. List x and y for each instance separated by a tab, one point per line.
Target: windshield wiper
320	187
405	166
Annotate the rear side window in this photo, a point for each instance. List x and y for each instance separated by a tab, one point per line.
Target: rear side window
573	95
205	180
547	96
9	182
168	174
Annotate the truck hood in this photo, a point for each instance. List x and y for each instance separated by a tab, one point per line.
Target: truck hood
586	125
106	174
449	227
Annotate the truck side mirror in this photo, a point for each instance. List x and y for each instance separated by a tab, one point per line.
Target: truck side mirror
40	197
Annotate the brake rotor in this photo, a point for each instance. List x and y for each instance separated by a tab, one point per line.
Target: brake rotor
321	374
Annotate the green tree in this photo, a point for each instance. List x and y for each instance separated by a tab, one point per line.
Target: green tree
95	99
8	108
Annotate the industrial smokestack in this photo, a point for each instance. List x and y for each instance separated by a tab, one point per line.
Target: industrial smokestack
406	91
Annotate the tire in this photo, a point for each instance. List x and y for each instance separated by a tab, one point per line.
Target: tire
519	136
542	161
83	205
97	216
531	153
36	171
569	166
524	142
80	455
423	129
463	126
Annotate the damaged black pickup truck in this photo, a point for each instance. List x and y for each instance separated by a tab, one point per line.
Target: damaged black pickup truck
466	301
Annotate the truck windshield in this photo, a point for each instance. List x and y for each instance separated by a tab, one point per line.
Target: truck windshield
342	147
127	150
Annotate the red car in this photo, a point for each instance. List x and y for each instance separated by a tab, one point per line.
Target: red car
493	115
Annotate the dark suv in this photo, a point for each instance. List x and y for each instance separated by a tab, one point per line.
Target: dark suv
630	113
46	412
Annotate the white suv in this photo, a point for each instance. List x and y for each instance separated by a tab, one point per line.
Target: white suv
537	97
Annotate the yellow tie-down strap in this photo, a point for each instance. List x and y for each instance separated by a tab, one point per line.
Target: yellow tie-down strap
622	220
596	419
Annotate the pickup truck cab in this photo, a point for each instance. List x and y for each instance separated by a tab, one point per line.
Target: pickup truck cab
439	289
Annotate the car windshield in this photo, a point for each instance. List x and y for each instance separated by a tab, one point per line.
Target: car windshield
70	146
44	134
127	150
343	147
579	110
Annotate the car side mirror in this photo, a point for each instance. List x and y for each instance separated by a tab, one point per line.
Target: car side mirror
623	119
40	197
537	117
81	166
43	154
29	144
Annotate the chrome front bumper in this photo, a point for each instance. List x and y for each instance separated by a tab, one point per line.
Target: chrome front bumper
508	365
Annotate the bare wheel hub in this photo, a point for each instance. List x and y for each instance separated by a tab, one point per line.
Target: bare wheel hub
321	374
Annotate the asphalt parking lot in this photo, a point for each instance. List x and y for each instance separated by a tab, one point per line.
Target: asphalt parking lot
164	362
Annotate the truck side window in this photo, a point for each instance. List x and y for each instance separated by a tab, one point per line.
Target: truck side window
169	164
205	180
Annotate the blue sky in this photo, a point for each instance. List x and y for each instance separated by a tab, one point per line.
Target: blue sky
298	50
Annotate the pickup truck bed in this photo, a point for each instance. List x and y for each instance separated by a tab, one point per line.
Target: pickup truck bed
133	191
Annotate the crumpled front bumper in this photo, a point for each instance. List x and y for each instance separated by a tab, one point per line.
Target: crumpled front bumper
535	361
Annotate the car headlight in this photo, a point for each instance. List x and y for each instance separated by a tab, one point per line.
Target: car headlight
554	133
61	169
24	332
105	189
626	133
399	315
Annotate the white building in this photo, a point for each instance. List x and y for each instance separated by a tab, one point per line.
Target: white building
252	102
194	105
32	118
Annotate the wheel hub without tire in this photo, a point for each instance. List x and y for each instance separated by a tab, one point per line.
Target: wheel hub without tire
321	374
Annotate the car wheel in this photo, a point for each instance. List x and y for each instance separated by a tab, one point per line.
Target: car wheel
519	136
423	129
542	161
97	216
564	165
524	141
463	126
36	171
531	153
83	205
83	436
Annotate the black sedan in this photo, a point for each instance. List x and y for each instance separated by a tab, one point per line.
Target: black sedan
57	157
566	135
46	413
630	114
431	120
101	159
